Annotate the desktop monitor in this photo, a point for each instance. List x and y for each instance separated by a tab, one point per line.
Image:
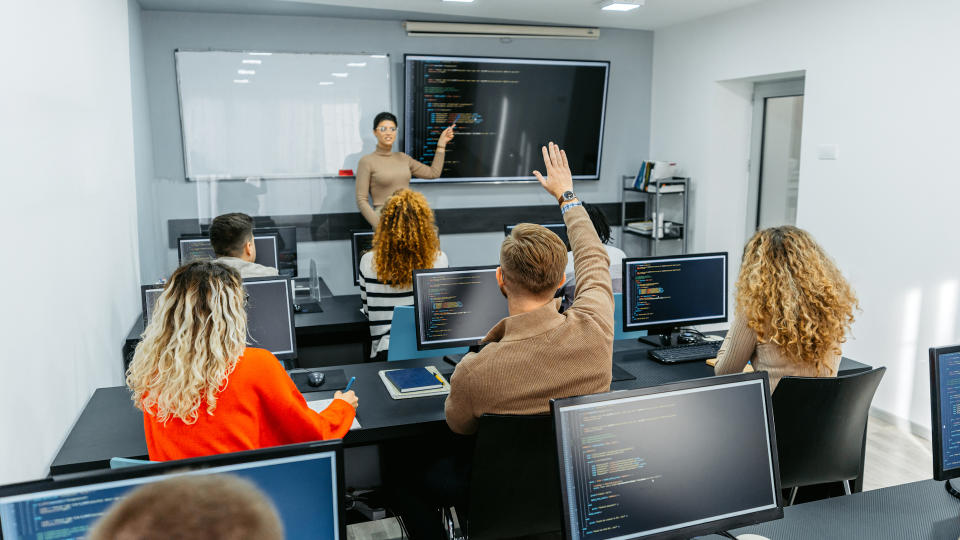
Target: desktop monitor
560	229
945	414
270	323
456	307
192	247
148	299
673	461
304	482
286	248
361	242
664	293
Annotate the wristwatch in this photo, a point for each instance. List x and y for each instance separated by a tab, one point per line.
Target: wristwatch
566	196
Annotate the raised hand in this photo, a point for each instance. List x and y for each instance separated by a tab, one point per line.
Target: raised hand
446	136
559	178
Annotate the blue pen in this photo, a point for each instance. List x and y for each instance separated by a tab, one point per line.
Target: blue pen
349	384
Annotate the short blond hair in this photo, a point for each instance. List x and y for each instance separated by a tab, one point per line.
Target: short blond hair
533	258
208	506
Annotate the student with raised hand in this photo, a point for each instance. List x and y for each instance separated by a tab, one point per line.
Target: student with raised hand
203	391
406	240
231	236
794	308
537	354
212	507
616	257
384	171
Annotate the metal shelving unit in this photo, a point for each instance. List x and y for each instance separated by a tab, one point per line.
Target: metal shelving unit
678	229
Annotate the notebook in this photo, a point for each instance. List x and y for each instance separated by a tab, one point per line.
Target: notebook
413	380
397	394
321	404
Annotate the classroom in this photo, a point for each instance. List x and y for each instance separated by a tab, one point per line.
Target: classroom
480	269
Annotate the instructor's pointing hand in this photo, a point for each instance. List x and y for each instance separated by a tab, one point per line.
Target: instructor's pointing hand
446	136
559	178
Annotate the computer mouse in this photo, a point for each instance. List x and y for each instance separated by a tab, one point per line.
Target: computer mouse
315	378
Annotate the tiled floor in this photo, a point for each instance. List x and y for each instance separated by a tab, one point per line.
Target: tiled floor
894	456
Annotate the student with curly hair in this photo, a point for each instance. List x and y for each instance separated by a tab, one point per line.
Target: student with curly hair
203	391
406	240
794	308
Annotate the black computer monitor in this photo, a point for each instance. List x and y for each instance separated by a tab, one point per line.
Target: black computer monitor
148	299
560	229
270	323
304	482
661	294
672	461
456	307
945	414
286	248
360	243
192	247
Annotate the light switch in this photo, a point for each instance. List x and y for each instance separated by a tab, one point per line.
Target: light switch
828	151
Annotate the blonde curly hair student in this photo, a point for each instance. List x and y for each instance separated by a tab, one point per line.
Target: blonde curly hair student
794	308
406	240
203	391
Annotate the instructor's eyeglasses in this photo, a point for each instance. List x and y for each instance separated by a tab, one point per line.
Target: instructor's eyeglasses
385	129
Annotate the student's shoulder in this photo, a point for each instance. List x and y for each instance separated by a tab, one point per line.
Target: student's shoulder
366	264
441	261
256	362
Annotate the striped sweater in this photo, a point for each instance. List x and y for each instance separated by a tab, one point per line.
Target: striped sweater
379	299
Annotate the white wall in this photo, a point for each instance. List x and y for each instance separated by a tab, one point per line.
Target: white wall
69	280
881	80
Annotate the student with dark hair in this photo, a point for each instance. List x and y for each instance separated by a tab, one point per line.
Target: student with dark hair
231	236
616	257
384	172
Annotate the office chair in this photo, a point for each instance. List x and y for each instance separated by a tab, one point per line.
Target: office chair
123	463
618	332
821	425
403	338
514	484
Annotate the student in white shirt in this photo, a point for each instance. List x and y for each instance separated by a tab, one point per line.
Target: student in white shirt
406	240
231	236
616	257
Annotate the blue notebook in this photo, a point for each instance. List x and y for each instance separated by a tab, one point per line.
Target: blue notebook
413	379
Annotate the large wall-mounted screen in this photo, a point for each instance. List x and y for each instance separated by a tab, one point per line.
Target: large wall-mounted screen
505	110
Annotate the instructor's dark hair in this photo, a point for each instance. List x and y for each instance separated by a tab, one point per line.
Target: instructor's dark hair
384	116
599	222
229	233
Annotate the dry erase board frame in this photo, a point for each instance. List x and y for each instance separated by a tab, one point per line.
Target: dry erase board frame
313	147
408	114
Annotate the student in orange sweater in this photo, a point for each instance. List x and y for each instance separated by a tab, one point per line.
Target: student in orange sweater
203	391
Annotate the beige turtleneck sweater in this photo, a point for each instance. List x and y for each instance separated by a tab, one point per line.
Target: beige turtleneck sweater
382	173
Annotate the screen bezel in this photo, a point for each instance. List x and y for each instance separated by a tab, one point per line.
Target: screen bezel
653	328
939	473
290	313
693	530
256	234
355	252
143	299
206	462
421	346
505	179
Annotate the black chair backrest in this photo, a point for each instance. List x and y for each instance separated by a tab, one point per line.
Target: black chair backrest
515	485
821	426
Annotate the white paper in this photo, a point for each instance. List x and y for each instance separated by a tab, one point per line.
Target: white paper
321	404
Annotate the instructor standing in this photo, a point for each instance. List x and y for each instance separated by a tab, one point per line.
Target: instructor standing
384	171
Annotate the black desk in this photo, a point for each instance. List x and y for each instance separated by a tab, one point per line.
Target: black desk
110	426
916	510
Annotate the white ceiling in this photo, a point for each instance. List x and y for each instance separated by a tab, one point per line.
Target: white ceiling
656	13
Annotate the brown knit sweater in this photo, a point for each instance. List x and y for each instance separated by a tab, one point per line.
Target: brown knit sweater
381	173
536	356
741	346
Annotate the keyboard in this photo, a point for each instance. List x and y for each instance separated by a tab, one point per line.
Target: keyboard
686	353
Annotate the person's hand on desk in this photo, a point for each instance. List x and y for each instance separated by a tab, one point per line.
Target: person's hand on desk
445	137
347	396
559	178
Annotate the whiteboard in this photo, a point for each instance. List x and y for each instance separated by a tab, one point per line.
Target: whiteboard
278	115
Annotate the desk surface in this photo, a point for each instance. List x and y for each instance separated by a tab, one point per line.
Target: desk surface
110	426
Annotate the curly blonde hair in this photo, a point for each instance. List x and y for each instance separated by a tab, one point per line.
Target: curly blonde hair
406	238
793	295
196	335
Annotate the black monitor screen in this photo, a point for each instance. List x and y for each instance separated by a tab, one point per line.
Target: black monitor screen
361	242
456	307
676	290
148	298
559	229
193	248
647	463
270	323
303	488
492	102
945	404
286	249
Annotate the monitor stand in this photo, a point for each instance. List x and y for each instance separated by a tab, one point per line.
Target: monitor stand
953	489
660	337
745	536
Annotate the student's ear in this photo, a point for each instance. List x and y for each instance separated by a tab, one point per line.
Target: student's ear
250	248
500	277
